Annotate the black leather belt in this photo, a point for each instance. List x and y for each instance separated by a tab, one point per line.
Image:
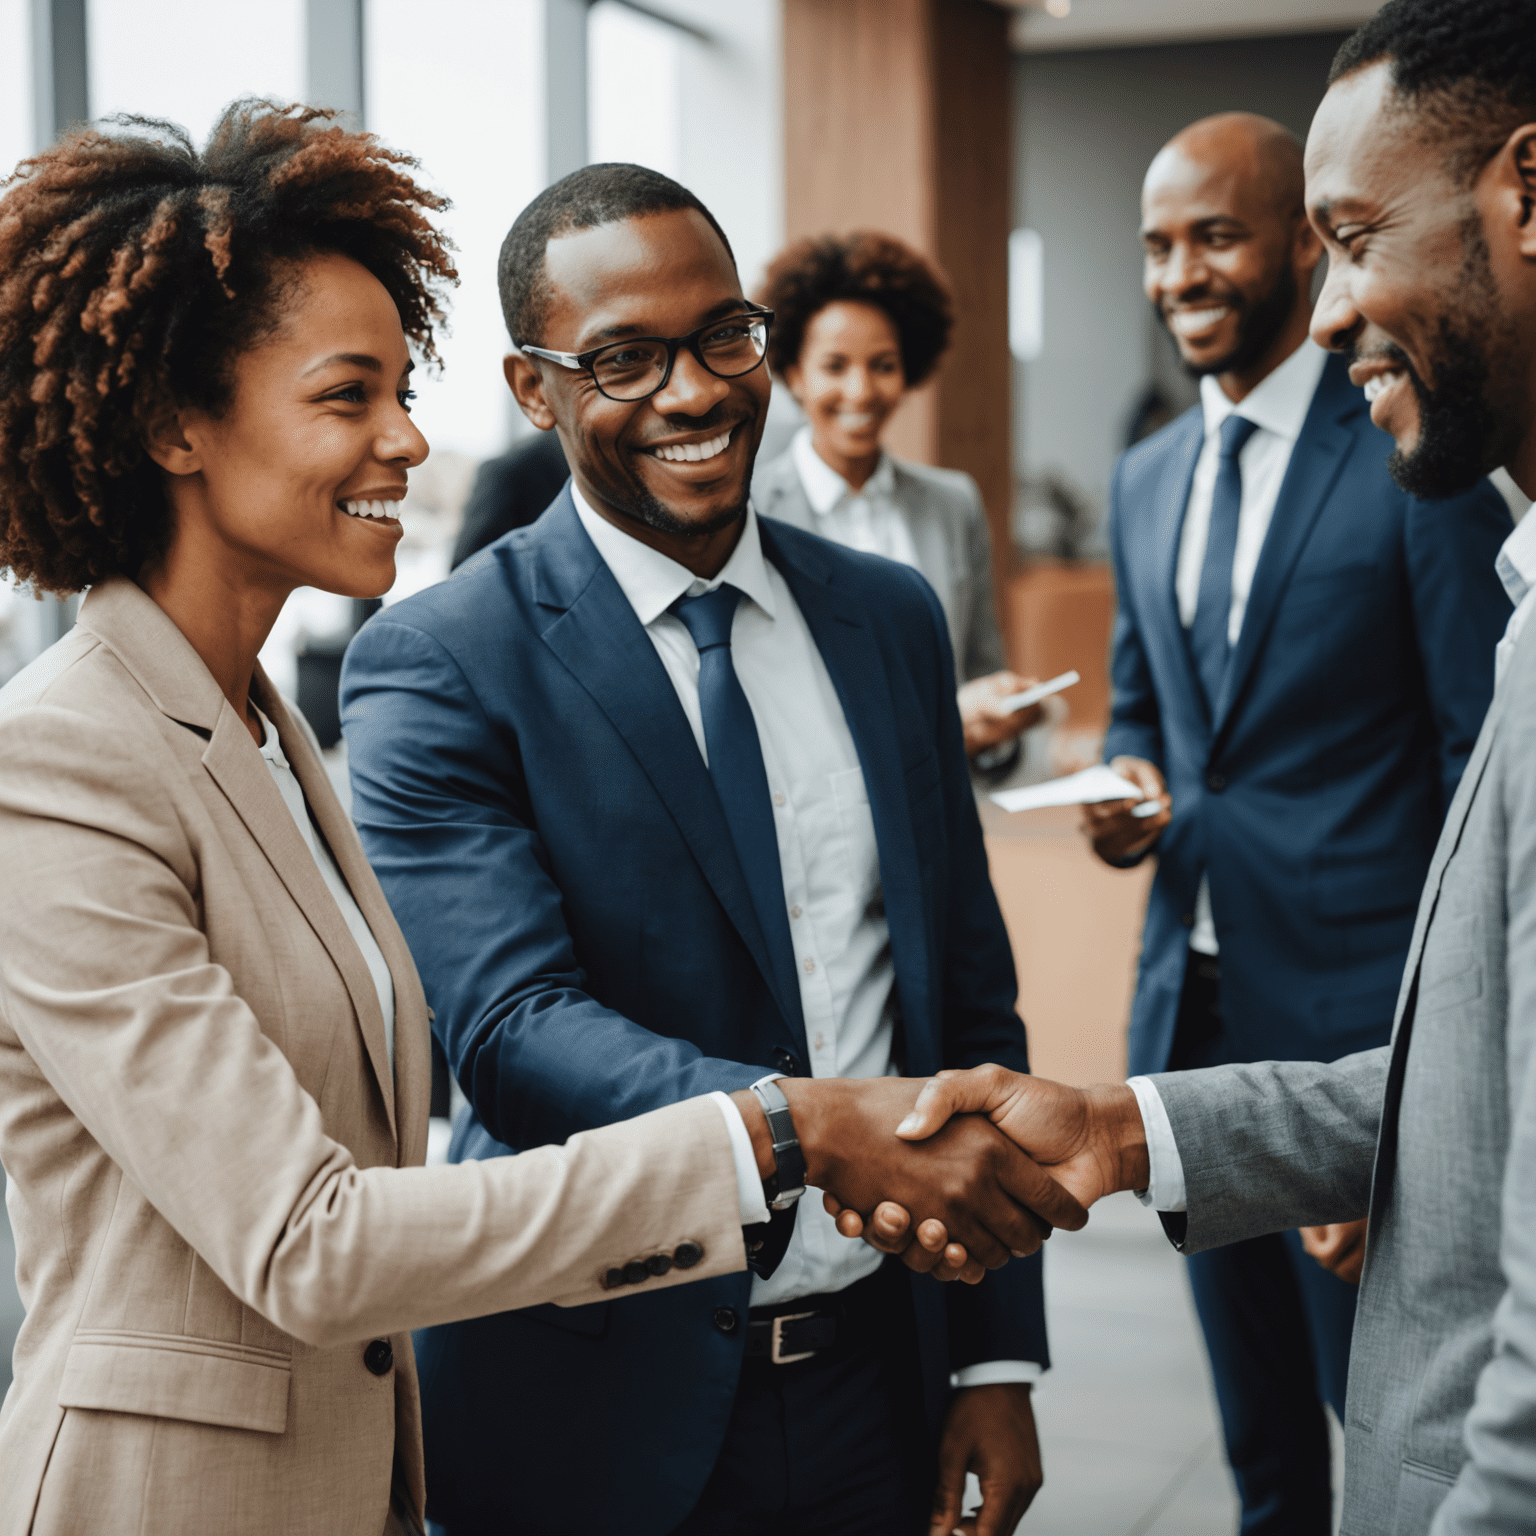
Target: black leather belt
791	1336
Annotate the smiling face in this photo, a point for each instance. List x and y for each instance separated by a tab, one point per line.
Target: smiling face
673	470
1227	254
296	483
1412	294
848	380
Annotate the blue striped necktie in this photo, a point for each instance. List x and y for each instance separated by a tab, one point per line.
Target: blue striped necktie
736	766
1213	611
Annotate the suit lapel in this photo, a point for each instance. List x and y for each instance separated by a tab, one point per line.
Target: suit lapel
1316	460
239	770
598	638
412	1084
173	674
840	627
1170	504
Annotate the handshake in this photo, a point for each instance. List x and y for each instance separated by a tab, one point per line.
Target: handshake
960	1172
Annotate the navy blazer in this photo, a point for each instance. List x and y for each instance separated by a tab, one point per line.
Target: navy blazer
1314	797
534	802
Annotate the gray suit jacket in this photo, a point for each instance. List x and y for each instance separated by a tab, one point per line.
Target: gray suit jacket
1434	1136
954	547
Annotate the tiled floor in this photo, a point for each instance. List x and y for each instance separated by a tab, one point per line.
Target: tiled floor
1126	1417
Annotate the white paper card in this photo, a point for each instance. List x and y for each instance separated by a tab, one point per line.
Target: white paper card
1018	701
1086	788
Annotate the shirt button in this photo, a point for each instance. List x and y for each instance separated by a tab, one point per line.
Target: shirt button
810	966
778	799
794	911
1216	782
821	1044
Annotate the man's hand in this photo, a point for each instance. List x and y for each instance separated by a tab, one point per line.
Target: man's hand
1338	1247
986	1192
1115	833
1091	1140
985	725
989	1431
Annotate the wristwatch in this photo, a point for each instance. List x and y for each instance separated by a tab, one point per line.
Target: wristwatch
786	1183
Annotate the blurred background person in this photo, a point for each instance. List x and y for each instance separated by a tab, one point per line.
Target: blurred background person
859	320
510	491
1302	660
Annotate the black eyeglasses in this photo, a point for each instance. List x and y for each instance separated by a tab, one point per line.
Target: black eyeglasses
640	367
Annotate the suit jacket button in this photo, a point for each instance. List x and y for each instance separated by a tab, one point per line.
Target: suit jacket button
726	1319
635	1271
613	1279
659	1263
1215	782
379	1357
686	1255
785	1063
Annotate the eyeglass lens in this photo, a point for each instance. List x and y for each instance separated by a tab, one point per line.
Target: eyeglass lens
631	370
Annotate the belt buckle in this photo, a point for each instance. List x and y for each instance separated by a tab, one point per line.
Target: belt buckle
777	1353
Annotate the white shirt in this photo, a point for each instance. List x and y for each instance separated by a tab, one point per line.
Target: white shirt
1277	407
1516	565
827	854
868	519
357	925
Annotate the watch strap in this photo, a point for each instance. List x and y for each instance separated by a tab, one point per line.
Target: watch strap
787	1182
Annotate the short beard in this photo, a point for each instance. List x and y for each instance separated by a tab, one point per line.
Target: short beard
1258	326
645	508
1461	435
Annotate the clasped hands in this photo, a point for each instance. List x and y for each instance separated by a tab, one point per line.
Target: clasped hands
963	1171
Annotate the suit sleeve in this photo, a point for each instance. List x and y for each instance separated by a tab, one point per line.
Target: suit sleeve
1460	611
109	984
439	799
1274	1144
1003	1318
984	651
1135	721
1496	1491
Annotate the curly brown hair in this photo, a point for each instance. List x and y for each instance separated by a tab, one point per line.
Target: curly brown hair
133	271
866	268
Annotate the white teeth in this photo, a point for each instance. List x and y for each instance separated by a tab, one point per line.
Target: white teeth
1379	383
1188	321
379	509
692	453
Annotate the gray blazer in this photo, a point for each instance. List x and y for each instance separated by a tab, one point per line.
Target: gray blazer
949	531
1433	1136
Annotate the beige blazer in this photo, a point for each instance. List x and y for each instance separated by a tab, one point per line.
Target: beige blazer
207	1155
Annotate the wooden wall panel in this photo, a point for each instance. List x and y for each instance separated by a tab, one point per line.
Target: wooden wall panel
898	117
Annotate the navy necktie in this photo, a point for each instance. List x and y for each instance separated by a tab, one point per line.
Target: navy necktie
736	766
1213	611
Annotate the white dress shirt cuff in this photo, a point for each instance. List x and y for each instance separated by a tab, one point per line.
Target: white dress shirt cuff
992	1373
749	1187
1165	1186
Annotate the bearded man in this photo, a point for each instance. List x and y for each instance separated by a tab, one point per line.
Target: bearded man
1303	657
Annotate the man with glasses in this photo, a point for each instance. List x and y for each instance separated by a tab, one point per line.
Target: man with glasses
667	801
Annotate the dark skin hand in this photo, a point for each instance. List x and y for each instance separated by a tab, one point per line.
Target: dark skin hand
967	1177
989	1431
1339	1247
1114	832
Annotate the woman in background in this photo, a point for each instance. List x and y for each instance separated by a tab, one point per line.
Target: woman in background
859	320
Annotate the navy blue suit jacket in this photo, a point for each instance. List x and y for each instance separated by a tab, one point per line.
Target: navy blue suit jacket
1356	690
530	793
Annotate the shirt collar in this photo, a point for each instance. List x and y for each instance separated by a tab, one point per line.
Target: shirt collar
824	487
1516	563
1278	403
653	581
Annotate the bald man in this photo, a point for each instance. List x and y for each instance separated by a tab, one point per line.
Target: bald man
1303	657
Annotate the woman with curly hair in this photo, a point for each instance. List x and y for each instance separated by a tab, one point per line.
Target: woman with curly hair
861	319
214	1064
